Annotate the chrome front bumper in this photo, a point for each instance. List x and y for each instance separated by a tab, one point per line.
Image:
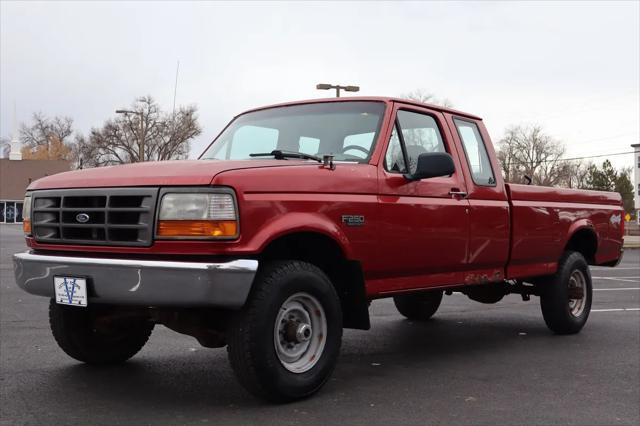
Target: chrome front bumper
141	282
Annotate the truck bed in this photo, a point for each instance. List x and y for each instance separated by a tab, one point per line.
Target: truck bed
544	219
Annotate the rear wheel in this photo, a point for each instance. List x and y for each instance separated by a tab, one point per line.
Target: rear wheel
418	306
285	342
87	335
566	297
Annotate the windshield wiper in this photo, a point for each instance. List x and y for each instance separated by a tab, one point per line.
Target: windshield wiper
281	155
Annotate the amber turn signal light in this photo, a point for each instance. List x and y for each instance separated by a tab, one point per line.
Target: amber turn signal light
26	226
197	228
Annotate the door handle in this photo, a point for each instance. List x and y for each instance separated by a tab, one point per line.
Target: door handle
456	193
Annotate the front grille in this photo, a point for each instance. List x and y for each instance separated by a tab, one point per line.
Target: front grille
109	216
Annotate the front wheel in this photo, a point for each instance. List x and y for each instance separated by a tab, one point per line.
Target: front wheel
89	335
285	342
566	297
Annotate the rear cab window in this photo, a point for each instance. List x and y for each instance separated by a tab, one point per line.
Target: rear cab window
476	153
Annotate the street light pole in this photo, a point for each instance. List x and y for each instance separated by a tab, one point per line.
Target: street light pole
141	134
324	86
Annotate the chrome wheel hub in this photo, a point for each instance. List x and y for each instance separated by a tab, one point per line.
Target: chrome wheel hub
577	293
303	333
299	332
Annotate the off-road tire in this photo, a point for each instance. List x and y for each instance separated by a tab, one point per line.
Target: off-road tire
74	330
250	337
418	306
554	298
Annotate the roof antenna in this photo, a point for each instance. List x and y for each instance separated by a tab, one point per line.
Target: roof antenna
175	88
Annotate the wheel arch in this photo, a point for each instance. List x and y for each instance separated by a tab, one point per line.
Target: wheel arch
325	252
582	238
300	222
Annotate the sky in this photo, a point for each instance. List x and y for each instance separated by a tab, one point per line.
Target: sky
573	67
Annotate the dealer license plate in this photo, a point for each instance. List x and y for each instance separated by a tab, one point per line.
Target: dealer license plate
71	291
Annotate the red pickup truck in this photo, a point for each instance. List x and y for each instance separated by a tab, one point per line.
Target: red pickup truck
290	223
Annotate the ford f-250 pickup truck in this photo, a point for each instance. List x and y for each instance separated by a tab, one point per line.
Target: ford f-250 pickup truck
290	223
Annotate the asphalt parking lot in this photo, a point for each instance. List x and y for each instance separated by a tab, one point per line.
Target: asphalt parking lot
472	364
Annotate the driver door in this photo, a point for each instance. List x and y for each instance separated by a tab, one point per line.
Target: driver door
424	224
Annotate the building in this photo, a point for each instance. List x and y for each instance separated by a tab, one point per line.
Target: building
15	175
636	180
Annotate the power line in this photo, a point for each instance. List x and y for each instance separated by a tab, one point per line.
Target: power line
594	156
579	158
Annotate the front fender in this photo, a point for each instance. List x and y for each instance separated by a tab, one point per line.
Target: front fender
293	222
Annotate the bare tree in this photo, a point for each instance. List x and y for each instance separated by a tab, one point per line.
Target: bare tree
46	138
5	147
165	136
528	151
421	95
578	174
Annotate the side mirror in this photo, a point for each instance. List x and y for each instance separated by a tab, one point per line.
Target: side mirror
432	164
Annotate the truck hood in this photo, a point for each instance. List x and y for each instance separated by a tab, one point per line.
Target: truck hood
157	173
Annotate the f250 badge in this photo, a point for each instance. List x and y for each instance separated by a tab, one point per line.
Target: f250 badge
353	220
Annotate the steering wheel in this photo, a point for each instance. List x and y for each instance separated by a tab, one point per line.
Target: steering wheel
356	147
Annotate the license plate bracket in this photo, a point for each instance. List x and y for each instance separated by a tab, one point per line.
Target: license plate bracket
71	291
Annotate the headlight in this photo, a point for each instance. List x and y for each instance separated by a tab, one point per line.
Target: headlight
26	215
197	215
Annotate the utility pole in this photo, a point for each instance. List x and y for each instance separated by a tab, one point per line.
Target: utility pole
324	86
141	134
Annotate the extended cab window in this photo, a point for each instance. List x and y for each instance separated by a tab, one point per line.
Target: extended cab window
476	153
420	134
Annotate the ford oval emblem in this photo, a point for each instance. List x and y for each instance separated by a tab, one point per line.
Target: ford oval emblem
82	217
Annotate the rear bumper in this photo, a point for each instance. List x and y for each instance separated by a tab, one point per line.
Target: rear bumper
141	282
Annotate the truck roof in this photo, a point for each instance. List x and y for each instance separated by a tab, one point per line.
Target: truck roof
385	99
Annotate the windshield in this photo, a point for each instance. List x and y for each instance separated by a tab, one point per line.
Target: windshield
346	130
